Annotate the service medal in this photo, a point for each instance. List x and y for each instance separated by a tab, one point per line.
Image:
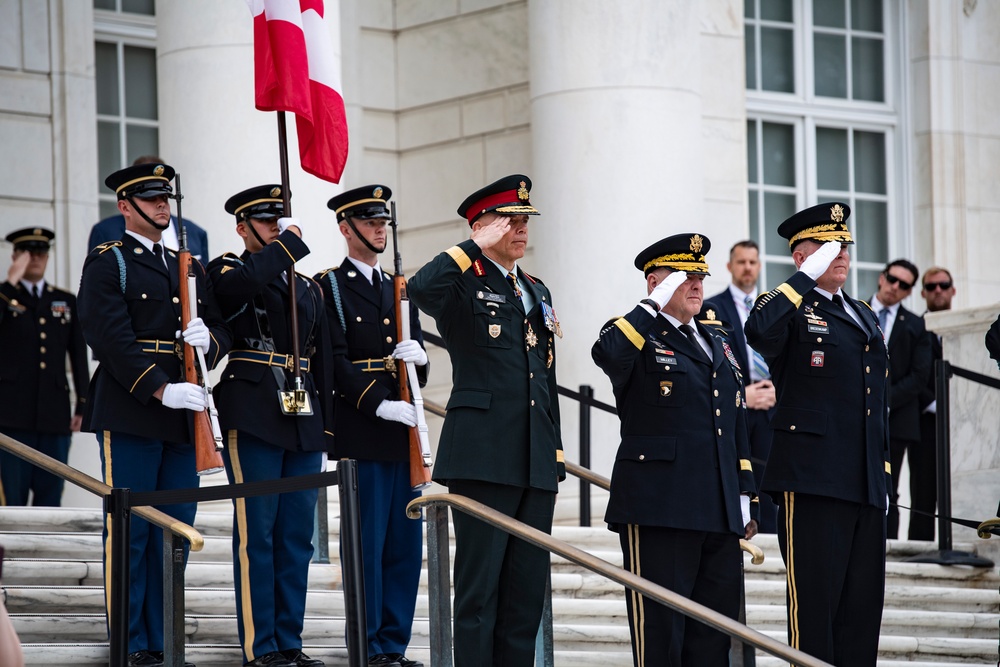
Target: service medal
530	337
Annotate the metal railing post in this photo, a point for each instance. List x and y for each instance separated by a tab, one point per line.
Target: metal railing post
942	388
544	644
588	393
173	599
321	529
350	545
439	585
118	505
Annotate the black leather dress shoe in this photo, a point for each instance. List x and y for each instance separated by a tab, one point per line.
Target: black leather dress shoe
159	655
272	659
300	659
143	659
403	660
382	660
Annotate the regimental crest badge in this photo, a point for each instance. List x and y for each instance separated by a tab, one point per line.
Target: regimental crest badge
666	388
696	243
522	192
377	193
275	192
158	171
837	213
494	331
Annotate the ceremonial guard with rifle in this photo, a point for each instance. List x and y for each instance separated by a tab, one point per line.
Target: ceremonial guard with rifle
373	423
139	404
275	400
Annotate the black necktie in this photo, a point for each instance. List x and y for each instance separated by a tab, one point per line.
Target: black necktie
688	331
377	284
838	300
35	291
158	251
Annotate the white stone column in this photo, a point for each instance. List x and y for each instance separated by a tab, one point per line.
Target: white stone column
211	132
616	126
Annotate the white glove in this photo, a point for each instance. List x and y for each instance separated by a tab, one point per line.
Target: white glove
285	223
665	289
184	396
817	263
745	509
410	350
397	411
196	335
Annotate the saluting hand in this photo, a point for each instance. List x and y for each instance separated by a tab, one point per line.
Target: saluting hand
816	264
18	267
488	235
665	289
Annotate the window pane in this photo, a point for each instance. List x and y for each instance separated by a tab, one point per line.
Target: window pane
749	9
140	82
777	60
831	65
869	162
109	207
870	228
866	15
832	172
866	69
779	154
139	7
867	284
141	141
754	218
776	209
752	151
830	13
105	4
777	273
776	10
109	150
751	49
106	62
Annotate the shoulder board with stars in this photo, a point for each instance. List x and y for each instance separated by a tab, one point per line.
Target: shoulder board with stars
477	267
108	245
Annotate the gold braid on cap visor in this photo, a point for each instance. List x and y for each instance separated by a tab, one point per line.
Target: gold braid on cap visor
679	262
823	233
266	200
140	180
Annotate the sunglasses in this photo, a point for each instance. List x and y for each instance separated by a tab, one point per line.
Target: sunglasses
894	280
944	285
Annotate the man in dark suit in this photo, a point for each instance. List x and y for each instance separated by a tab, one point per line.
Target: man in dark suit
938	290
829	465
112	227
682	481
371	422
38	329
138	400
909	368
270	432
501	443
734	305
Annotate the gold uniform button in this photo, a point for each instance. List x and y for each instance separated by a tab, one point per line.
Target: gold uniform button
819	339
42	365
713	375
868	369
359	318
526	320
176	300
868	390
43	335
41	320
718	412
388	339
642	457
531	376
866	348
792	427
492	313
869	412
385	321
532	402
41	349
143	296
716	392
719	431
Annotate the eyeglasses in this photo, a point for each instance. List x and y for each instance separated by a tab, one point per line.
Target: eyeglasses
944	286
894	279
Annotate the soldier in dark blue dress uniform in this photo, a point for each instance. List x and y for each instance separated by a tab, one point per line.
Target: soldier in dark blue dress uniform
371	422
138	400
829	464
501	442
682	482
38	329
272	537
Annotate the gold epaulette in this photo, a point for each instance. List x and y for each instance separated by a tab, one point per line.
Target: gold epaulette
107	245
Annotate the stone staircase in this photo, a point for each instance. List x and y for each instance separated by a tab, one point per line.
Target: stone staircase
52	585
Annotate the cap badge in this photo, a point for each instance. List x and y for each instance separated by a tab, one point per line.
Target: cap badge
522	192
275	192
158	171
696	243
37	231
377	193
837	213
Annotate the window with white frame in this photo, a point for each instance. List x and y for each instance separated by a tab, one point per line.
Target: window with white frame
822	124
125	60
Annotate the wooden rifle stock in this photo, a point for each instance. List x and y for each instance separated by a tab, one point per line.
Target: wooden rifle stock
420	475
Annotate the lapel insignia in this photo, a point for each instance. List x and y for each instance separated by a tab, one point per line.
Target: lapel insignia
666	387
352	274
530	337
494	331
138	251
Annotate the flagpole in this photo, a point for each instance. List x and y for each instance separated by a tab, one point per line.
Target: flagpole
287	204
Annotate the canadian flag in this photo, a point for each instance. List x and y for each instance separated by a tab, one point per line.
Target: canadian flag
296	70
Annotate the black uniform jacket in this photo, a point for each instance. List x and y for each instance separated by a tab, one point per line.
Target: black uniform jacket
928	393
121	306
910	366
370	335
503	413
247	394
684	457
831	435
726	309
36	335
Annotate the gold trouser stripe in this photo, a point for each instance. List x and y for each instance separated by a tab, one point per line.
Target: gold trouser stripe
241	525
635	599
793	593
285	249
358	406
746	465
630	332
560	456
792	295
457	254
109	480
139	378
888	467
